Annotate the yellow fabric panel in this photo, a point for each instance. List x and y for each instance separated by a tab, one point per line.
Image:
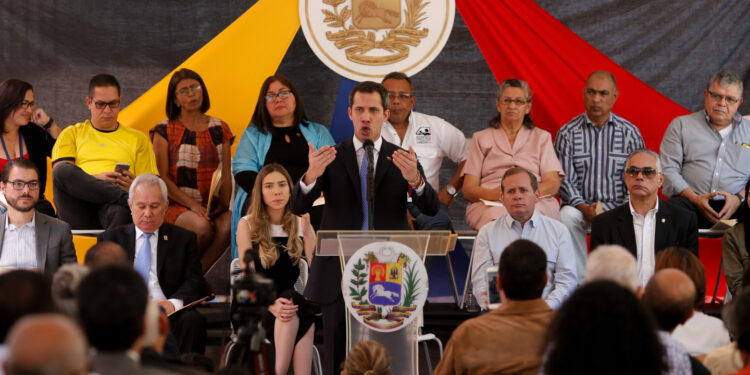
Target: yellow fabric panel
82	245
233	66
96	151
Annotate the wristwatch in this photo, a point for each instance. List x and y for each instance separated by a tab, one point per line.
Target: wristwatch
451	190
740	197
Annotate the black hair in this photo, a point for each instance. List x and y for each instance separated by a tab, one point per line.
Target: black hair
173	110
262	119
112	304
522	270
370	87
22	293
103	80
603	329
399	76
17	163
12	94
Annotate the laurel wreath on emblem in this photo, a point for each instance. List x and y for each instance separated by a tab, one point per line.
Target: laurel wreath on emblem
383	317
357	43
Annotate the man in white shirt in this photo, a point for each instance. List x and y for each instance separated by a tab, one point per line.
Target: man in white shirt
432	138
646	224
166	256
519	194
29	239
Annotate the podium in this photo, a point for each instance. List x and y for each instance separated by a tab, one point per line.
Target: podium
386	254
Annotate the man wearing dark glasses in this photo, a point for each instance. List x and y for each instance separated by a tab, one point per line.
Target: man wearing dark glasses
645	225
706	154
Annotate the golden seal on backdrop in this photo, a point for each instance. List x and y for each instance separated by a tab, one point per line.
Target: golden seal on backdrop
367	39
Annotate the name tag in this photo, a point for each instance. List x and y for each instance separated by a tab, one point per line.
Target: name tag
424	135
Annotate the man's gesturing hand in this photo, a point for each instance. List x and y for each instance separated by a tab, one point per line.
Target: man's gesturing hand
407	163
318	160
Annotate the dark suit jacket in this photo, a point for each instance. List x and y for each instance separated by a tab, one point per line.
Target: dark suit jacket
177	259
54	242
343	209
675	226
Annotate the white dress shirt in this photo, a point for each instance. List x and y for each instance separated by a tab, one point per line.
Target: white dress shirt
154	290
645	232
19	246
551	235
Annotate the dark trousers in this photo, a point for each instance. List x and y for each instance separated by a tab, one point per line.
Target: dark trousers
86	202
189	330
334	336
703	222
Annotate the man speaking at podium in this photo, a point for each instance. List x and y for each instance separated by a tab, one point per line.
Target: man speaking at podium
343	174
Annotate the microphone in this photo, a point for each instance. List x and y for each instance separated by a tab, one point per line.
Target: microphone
369	146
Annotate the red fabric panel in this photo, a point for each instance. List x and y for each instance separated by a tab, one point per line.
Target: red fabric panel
519	39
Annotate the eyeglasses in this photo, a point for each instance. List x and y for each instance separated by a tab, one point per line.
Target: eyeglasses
648	172
112	105
194	88
281	95
718	97
28	104
19	184
403	96
518	101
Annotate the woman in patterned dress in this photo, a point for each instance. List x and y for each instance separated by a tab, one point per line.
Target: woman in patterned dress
189	147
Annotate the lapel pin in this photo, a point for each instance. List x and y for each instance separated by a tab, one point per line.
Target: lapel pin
165	236
663	220
388	158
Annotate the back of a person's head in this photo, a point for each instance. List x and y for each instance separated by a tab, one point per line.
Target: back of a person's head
684	260
22	293
46	344
522	270
111	306
670	295
367	358
741	320
105	253
65	284
603	329
613	263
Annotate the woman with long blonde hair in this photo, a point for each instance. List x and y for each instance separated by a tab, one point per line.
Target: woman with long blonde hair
271	232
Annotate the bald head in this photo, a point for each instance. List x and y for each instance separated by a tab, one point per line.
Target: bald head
613	263
46	344
105	253
670	295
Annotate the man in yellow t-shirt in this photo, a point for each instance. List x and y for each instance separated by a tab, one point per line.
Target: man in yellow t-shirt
89	192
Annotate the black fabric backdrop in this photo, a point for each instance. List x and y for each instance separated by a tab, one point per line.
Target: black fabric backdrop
58	46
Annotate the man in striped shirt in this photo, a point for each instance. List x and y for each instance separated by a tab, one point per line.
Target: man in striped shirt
593	148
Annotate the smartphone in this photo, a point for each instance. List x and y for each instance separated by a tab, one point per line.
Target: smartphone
493	294
121	167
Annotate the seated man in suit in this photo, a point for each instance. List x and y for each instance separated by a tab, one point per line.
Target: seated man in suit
166	256
646	224
341	173
29	239
520	192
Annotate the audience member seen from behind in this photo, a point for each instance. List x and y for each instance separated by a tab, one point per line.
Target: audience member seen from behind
271	233
279	132
701	333
734	358
47	344
670	295
106	253
646	224
509	339
30	239
592	148
367	358
614	263
65	284
735	249
519	193
705	154
512	140
189	147
26	132
603	329
95	161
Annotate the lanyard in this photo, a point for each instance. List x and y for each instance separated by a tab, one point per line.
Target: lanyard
20	147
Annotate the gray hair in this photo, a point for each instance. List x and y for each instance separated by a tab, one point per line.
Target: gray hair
726	77
512	82
613	263
149	180
646	151
65	287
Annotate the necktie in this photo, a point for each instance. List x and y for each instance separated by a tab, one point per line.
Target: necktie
143	260
363	188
